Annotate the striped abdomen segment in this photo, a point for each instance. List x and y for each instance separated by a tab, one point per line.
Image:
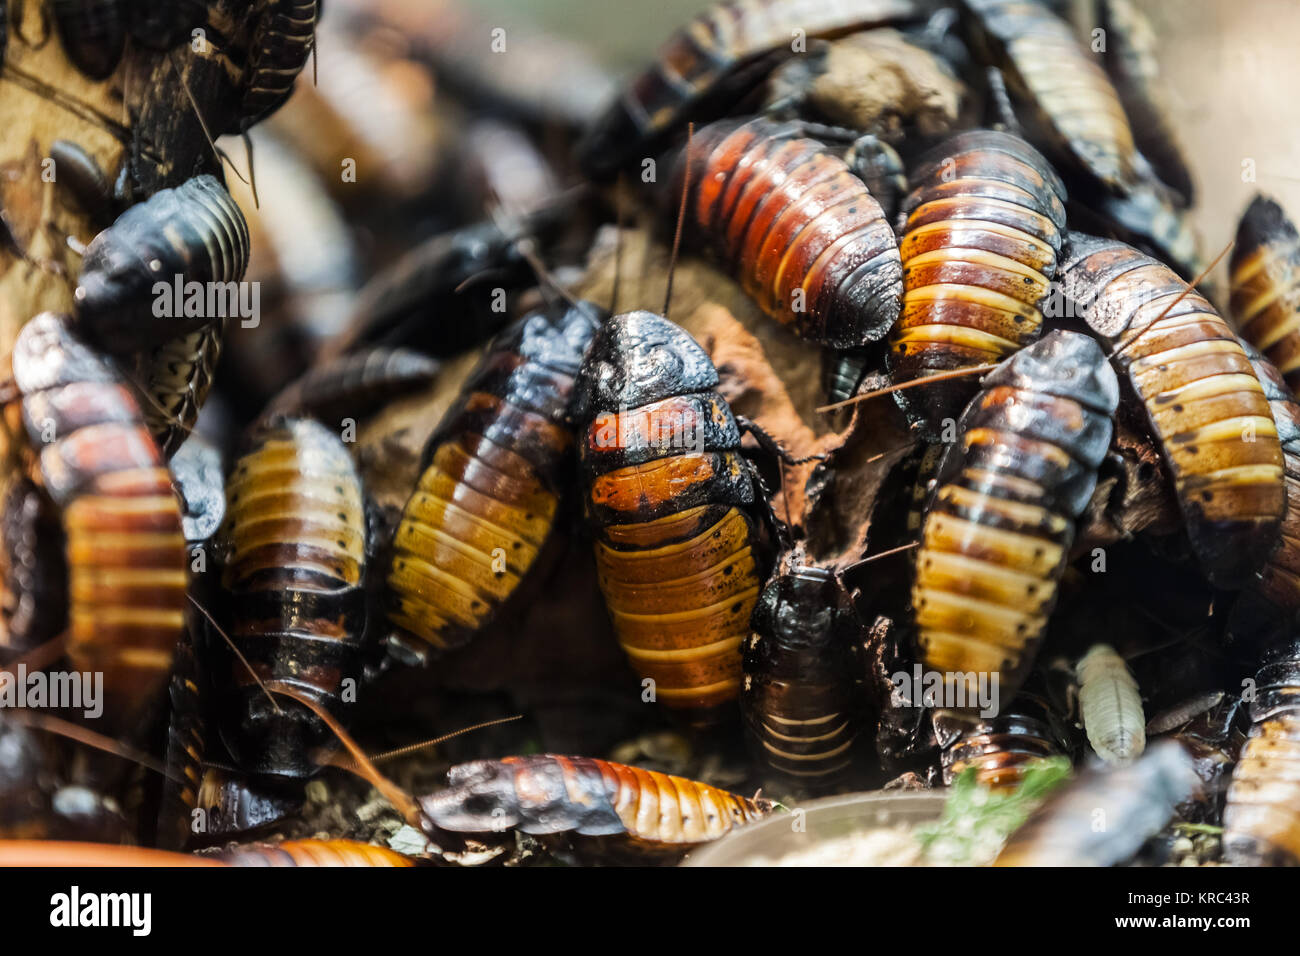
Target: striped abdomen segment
295	541
177	377
1264	273
313	853
486	502
282	42
998	530
1203	400
998	748
985	221
185	749
808	241
33	573
1110	705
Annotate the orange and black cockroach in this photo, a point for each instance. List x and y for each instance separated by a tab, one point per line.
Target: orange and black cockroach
1203	402
313	853
93	33
672	506
1105	815
1261	818
33	568
712	63
282	41
295	546
1000	522
984	225
290	853
801	231
1264	273
999	747
492	477
1071	107
194	233
355	384
121	518
803	695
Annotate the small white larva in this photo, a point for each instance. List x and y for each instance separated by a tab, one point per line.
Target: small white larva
1110	705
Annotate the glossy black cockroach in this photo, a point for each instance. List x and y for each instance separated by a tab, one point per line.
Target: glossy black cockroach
1205	406
194	233
1145	217
492	475
1261	818
282	42
121	518
85	179
802	694
1110	705
237	807
1264	273
163	25
985	223
999	747
93	33
671	504
1073	109
295	543
807	240
842	372
355	384
33	572
710	64
176	377
1103	817
1001	520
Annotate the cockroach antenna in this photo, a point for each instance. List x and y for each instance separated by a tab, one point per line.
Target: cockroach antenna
681	218
252	171
882	554
242	659
1191	286
924	380
345	764
89	738
217	151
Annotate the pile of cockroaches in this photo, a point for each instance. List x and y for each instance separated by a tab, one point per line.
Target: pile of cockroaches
1086	496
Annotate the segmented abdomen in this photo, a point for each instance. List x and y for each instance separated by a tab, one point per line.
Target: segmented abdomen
1265	278
295	537
313	853
806	238
495	469
1110	705
998	747
177	377
185	749
33	572
999	527
355	384
282	42
1204	403
985	221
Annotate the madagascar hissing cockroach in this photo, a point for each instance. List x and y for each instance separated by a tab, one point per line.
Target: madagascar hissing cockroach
998	747
596	810
290	853
85	179
1073	108
1001	520
842	372
176	377
984	226
1206	408
33	572
1264	273
1110	705
295	553
1146	217
93	33
186	744
671	504
194	233
802	696
1261	818
711	63
236	807
355	384
121	518
492	476
282	42
806	238
1103	817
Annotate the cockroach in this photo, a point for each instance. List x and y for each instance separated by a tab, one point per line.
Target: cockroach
197	471
1000	522
176	377
355	384
295	540
93	33
801	697
842	373
492	475
235	806
161	26
121	519
186	745
313	853
33	570
984	226
1110	705
807	240
671	504
1264	273
1147	218
194	233
710	64
1203	402
593	809
282	42
998	747
85	179
1073	106
1103	817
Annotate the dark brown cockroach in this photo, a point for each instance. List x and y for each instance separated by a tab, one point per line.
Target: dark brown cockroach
121	518
984	226
802	697
671	504
236	807
710	64
33	570
1147	218
282	42
312	853
186	744
492	476
1265	280
85	179
1205	406
998	747
1103	817
1000	522
161	26
193	233
1261	819
842	373
355	384
806	238
1073	108
176	377
93	33
594	810
295	553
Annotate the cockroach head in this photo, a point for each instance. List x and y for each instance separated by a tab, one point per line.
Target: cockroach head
1264	221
